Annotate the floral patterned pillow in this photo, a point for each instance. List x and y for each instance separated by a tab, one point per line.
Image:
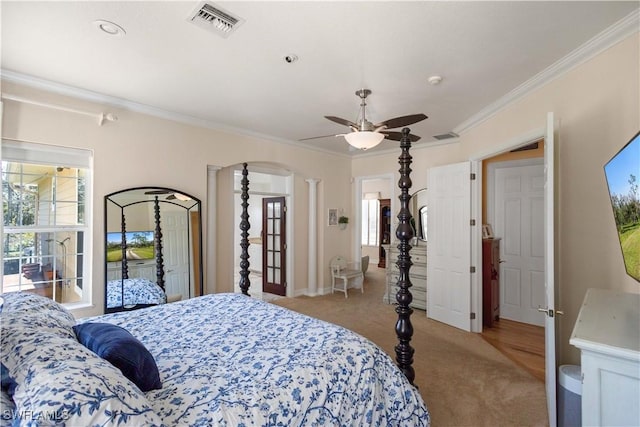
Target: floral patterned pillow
59	381
36	311
27	301
28	316
7	410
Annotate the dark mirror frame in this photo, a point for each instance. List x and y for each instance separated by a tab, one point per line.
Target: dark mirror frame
418	208
158	196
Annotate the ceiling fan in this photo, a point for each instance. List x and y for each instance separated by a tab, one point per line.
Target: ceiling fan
178	196
365	134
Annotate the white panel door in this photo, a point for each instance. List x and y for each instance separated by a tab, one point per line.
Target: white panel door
449	247
175	249
519	222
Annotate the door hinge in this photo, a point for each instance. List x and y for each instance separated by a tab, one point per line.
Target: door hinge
284	246
473	222
284	209
472	269
473	176
473	316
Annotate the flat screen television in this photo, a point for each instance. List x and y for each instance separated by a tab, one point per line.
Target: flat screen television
140	245
623	178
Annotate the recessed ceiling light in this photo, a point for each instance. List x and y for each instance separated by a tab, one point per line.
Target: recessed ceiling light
109	27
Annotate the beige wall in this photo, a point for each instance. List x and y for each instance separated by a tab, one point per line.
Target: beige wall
142	150
597	105
598	108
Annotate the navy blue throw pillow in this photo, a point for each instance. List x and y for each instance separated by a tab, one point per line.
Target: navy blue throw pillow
122	350
8	383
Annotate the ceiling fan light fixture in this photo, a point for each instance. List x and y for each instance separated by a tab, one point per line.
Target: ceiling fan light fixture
364	140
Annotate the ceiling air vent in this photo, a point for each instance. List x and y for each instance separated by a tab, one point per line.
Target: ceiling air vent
446	136
215	19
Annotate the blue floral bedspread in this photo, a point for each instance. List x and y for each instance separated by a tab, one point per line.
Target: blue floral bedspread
230	360
136	291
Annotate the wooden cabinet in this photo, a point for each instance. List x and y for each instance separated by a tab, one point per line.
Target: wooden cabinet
417	275
385	231
490	281
606	332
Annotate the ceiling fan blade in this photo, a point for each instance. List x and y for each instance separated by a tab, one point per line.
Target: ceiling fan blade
341	121
397	136
318	137
401	121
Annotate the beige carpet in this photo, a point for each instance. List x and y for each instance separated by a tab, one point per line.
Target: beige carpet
463	379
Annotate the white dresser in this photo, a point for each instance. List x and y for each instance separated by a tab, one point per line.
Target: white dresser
417	275
607	332
137	269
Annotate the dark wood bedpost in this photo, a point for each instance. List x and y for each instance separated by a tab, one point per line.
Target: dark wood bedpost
123	244
404	233
244	227
158	241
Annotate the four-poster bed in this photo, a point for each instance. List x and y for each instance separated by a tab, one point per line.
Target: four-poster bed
404	234
220	359
135	273
128	293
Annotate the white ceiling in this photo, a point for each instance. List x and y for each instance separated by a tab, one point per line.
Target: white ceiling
483	51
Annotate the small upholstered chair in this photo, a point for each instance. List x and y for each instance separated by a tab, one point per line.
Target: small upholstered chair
345	271
365	264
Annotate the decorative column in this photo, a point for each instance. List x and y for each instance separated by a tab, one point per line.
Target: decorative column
244	232
312	263
404	234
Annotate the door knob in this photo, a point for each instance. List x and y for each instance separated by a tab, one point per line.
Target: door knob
550	312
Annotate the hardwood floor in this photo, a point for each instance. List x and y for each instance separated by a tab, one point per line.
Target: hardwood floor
520	342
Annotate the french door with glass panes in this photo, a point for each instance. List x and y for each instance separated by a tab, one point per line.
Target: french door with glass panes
274	245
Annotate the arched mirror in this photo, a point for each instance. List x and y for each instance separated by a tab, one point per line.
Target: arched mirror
418	209
153	248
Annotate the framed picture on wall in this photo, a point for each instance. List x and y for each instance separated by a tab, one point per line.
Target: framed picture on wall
332	218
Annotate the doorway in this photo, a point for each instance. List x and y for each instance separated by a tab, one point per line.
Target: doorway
513	204
266	183
367	235
274	260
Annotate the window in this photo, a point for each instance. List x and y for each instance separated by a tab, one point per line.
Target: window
46	225
370	222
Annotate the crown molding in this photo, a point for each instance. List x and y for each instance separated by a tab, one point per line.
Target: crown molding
124	104
604	40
